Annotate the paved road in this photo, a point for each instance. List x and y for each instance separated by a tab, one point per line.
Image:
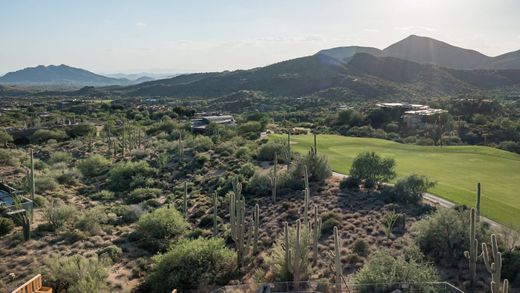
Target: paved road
435	200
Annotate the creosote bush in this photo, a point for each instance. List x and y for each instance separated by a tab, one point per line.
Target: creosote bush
382	269
129	175
45	183
408	190
444	234
77	274
57	214
6	226
93	166
161	226
91	221
191	264
141	194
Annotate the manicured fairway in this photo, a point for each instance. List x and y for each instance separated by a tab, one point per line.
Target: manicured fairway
457	169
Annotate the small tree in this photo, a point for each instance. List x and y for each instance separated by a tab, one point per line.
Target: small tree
162	225
93	166
5	137
409	189
372	168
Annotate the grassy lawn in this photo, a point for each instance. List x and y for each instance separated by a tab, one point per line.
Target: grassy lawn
456	169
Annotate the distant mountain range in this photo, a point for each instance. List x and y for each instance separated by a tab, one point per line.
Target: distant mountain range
64	75
426	50
415	66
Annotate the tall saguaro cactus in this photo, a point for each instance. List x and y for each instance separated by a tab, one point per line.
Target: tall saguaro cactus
274	178
316	234
215	212
337	261
180	149
315	145
256	220
472	254
478	202
237	215
289	155
294	254
185	200
33	186
494	266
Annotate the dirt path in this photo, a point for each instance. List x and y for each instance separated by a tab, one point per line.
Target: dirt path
435	200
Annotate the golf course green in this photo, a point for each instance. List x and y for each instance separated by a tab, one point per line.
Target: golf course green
456	169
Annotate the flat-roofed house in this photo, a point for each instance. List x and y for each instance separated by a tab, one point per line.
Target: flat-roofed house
199	125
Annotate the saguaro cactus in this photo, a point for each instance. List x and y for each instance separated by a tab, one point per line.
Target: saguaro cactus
33	187
289	155
185	200
238	224
215	211
274	178
256	220
293	255
494	266
316	234
478	202
337	261
315	145
180	149
472	254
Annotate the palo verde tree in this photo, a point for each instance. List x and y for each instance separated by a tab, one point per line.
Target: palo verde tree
373	169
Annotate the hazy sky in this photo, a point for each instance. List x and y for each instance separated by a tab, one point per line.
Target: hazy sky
109	36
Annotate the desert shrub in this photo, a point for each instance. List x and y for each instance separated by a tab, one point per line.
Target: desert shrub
226	148
81	130
139	154
277	256
94	166
202	143
372	168
361	247
165	125
410	139
266	151
43	135
385	269
92	220
408	190
444	234
451	140
129	175
162	225
103	195
201	159
9	157
6	226
67	176
57	214
192	264
59	157
141	194
511	267
247	170
259	184
243	153
510	146
350	182
330	219
44	183
112	252
5	137
318	167
40	201
77	274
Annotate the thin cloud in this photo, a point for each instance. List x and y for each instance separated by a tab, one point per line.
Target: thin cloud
140	25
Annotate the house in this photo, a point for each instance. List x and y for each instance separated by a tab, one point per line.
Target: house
198	125
420	118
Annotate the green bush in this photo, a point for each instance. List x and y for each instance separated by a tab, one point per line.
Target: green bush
92	220
382	271
93	166
9	157
361	247
59	157
77	274
190	265
511	267
57	214
43	135
350	183
202	143
44	183
6	226
103	195
243	153
330	219
5	137
161	226
318	167
81	130
129	175
201	159
247	170
266	151
372	168
259	184
141	194
112	252
408	190
444	234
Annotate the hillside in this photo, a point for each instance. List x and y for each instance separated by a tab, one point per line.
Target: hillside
364	76
59	75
